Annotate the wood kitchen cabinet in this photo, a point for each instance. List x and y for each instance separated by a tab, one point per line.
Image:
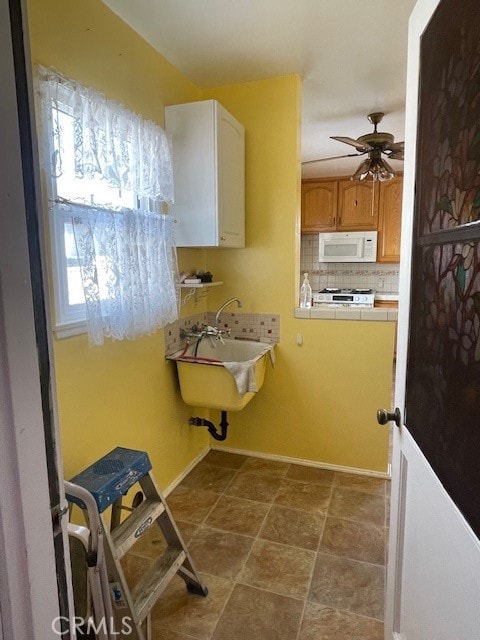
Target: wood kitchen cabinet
319	205
357	206
390	220
338	205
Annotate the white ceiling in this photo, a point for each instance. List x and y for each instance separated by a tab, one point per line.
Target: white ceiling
351	55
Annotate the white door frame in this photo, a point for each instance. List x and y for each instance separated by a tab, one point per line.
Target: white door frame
28	583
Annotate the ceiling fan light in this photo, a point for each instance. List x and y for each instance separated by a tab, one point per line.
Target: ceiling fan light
363	170
385	171
374	168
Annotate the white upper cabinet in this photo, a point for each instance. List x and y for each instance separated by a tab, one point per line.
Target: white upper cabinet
209	175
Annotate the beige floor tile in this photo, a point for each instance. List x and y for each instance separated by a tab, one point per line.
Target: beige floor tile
237	515
254	487
292	527
349	585
166	634
189	505
304	496
208	477
325	623
358	505
225	459
182	612
253	528
187	530
360	483
310	474
253	614
278	568
265	467
354	540
219	552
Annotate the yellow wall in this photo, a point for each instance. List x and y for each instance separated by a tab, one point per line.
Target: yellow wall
319	403
123	393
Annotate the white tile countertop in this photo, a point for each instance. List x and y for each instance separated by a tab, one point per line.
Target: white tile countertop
347	313
386	295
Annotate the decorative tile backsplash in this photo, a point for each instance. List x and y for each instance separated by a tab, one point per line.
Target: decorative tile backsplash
366	275
261	327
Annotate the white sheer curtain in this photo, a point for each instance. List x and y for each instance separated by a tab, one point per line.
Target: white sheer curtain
104	161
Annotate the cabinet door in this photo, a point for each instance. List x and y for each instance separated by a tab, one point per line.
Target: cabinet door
357	206
230	180
209	175
389	220
319	206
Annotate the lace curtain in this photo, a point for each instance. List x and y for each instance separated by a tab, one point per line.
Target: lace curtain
104	161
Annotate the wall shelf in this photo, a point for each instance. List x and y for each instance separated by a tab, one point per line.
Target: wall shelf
195	290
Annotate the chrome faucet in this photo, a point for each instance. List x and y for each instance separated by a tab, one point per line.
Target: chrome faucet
225	304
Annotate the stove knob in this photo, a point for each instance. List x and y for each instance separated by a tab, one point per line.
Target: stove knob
364	298
356	298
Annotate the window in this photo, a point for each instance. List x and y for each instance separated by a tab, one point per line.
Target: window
113	249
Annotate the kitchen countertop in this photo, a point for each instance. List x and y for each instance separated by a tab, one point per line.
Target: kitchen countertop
386	295
348	313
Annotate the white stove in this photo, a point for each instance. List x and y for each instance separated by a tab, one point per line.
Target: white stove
332	296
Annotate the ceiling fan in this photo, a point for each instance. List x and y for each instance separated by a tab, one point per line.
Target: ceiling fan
374	144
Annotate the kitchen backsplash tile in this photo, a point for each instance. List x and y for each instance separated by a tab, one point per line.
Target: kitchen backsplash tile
375	275
261	327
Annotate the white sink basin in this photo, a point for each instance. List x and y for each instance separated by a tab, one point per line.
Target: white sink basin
204	380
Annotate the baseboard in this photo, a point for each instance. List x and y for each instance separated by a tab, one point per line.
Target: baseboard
186	471
307	463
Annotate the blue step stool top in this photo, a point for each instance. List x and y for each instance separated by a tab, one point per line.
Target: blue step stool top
112	476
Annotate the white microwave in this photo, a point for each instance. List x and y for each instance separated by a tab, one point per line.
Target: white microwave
348	246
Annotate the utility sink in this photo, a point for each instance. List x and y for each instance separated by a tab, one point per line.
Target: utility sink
221	374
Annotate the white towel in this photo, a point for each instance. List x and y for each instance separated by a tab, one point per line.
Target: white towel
272	355
244	374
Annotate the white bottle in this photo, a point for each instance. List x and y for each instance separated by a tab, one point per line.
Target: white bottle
305	293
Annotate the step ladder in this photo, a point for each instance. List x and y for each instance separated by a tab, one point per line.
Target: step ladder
126	612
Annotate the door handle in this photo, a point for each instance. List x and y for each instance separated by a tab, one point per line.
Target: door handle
384	416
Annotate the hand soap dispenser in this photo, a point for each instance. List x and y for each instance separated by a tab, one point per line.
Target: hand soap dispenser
305	293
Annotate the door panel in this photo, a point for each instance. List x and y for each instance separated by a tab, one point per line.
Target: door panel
434	552
443	380
439	577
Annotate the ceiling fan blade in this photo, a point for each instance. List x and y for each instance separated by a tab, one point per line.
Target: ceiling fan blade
360	146
394	146
349	155
398	155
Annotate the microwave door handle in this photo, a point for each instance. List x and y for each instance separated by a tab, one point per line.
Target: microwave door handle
361	247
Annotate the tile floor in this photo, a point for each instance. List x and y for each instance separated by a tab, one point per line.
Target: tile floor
287	552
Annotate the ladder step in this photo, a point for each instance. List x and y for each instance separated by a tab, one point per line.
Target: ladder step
109	478
155	580
130	530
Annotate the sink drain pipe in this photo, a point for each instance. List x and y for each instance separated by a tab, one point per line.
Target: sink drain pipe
212	430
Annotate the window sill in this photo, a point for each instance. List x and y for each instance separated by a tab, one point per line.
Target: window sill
69	329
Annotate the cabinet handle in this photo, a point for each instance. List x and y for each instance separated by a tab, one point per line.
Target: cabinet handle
223	238
334	221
